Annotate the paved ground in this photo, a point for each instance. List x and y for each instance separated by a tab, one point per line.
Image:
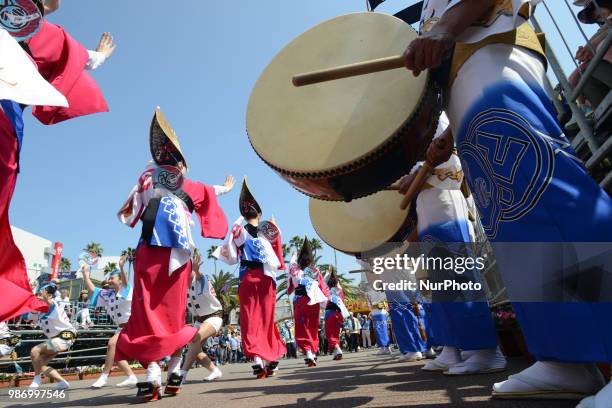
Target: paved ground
359	380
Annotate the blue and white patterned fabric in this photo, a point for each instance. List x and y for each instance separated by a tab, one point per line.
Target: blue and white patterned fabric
51	323
381	328
309	278
529	187
443	225
254	250
172	229
240	245
118	305
406	327
336	299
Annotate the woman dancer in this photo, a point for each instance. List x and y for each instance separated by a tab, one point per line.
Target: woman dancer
164	200
258	248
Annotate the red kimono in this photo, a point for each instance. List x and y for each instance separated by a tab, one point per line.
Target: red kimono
257	293
61	61
306	318
157	326
333	322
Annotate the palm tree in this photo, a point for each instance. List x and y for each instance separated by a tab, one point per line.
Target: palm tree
316	244
209	255
111	266
296	243
95	248
281	286
65	265
225	285
281	279
286	251
131	254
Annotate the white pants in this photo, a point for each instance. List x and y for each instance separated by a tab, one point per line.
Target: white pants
5	350
216	322
58	345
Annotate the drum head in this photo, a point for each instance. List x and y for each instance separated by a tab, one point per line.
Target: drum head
312	130
361	225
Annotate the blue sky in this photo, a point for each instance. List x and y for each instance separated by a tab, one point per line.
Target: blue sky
199	62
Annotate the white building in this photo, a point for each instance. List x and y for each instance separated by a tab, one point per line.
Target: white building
37	251
98	273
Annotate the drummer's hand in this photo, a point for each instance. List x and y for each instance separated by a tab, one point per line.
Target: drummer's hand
405	183
440	149
428	50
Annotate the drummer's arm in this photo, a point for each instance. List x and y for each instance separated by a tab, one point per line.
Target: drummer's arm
428	50
459	17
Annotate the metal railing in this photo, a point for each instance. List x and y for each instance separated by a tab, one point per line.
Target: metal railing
593	143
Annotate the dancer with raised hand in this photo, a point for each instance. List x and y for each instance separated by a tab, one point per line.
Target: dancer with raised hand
164	200
117	300
310	293
335	313
258	247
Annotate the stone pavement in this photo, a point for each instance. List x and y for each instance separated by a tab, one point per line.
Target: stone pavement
359	380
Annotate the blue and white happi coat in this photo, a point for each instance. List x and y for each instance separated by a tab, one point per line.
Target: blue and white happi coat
309	278
240	245
173	220
335	296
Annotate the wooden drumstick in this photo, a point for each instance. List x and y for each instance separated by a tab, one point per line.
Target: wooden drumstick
350	70
392	187
416	185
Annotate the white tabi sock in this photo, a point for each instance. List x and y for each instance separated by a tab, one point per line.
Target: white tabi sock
309	355
547	375
36	381
175	364
257	360
154	374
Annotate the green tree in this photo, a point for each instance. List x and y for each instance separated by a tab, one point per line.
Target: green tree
209	255
316	244
131	253
95	248
296	243
281	279
225	285
111	266
65	265
281	286
286	251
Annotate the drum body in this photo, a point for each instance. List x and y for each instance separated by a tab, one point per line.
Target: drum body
348	138
364	225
